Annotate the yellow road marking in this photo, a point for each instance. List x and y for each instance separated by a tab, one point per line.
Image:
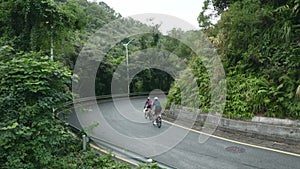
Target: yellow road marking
233	141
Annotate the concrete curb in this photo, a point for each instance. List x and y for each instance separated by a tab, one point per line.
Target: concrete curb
287	134
275	121
271	129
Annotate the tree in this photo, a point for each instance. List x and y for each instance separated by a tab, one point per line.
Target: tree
31	88
37	25
259	41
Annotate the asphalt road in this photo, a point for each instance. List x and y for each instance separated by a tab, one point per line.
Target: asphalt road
122	124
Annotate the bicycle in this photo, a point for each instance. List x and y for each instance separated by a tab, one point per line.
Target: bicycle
148	113
158	121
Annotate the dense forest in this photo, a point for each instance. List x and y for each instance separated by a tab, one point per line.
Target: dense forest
39	45
258	43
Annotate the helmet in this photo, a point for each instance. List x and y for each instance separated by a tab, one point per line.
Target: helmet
148	98
155	98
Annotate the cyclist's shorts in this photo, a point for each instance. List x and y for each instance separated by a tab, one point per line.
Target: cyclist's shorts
157	110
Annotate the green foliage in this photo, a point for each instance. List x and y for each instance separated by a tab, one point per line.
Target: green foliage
258	42
31	23
148	165
183	85
246	96
259	45
97	15
6	53
31	87
204	19
89	160
150	78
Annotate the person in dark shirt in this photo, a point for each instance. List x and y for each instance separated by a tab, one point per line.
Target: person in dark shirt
148	103
157	109
147	107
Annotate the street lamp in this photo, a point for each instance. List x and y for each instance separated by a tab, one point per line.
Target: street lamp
126	47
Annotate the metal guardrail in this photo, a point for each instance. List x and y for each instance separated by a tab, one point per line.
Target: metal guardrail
109	97
128	155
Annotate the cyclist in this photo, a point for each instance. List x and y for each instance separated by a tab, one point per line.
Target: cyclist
157	109
147	106
148	103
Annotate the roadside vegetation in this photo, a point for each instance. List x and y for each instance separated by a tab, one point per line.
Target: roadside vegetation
258	43
33	85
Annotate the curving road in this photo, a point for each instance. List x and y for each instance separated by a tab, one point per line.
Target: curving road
121	123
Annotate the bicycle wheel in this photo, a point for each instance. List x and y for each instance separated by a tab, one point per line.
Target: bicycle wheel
158	121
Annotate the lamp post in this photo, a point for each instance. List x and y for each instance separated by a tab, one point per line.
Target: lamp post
126	47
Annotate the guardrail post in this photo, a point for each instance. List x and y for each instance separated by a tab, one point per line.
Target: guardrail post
84	140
